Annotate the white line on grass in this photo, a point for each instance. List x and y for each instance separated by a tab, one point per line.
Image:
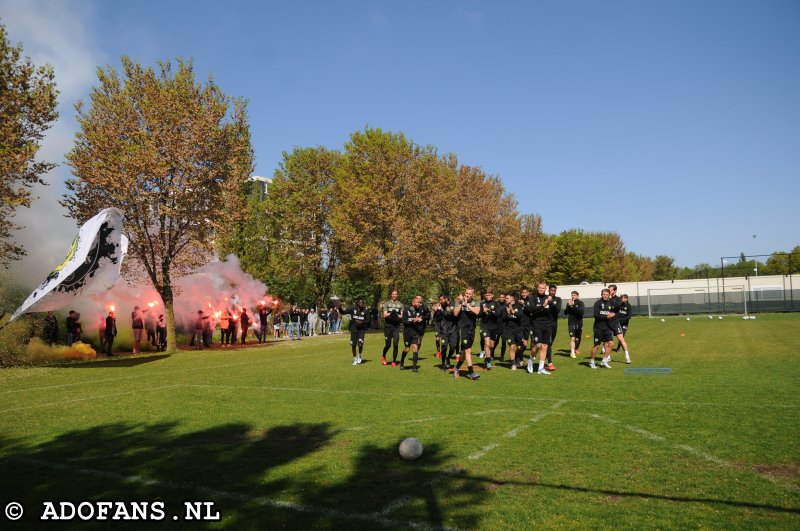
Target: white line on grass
216	493
690	449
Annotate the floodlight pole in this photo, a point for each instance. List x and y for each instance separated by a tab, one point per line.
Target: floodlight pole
722	263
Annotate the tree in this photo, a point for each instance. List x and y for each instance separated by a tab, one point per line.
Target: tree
578	256
172	154
27	109
302	255
534	254
388	194
782	263
664	268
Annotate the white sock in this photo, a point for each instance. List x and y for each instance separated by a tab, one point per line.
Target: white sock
627	355
572	351
541	364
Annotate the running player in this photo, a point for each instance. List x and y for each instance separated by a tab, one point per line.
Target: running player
615	324
603	334
467	312
555	309
512	329
501	300
436	309
360	319
392	318
625	312
541	327
490	324
449	331
527	307
414	319
574	312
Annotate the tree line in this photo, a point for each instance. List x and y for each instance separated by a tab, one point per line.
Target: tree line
175	155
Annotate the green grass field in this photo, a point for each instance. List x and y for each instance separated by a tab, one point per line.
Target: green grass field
293	436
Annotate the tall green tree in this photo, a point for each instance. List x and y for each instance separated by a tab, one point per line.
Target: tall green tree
664	268
386	191
172	154
782	263
27	109
302	256
578	256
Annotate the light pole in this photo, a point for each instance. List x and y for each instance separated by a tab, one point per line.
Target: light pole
755	259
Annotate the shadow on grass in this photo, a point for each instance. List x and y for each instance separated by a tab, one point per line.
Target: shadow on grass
114	361
494	483
252	476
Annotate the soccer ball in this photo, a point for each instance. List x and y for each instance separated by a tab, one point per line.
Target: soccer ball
752	317
710	316
745	317
410	449
688	318
720	318
663	320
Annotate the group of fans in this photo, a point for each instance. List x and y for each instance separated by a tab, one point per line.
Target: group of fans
529	322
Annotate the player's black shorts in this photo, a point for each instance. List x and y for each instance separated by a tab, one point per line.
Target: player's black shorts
513	336
451	339
437	328
553	332
526	332
356	337
602	333
467	336
542	333
615	326
491	333
575	330
391	331
624	328
411	337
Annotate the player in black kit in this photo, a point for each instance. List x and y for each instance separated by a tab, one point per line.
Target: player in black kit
541	326
360	319
615	323
490	324
466	310
625	312
449	330
392	318
512	329
603	334
574	312
414	319
555	309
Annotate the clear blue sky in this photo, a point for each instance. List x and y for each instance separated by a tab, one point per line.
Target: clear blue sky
674	123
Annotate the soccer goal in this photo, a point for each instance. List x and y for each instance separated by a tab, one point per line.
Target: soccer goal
683	301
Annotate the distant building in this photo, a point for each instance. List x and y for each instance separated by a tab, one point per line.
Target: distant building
262	185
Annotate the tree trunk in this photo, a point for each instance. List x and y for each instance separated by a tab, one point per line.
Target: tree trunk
169	313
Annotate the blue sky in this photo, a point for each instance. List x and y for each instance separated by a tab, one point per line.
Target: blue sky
674	123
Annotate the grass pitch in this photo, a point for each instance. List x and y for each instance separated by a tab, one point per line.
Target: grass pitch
292	435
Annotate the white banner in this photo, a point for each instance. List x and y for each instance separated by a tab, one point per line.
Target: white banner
91	266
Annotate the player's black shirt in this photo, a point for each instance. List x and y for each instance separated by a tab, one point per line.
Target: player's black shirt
555	309
539	314
490	315
574	313
625	312
449	319
527	305
601	310
262	315
395	310
512	317
616	302
466	318
410	313
360	318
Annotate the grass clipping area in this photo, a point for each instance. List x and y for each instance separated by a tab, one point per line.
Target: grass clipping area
292	435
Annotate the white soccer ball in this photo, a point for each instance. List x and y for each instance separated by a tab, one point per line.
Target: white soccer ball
688	318
410	449
663	320
745	317
720	318
752	317
710	316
